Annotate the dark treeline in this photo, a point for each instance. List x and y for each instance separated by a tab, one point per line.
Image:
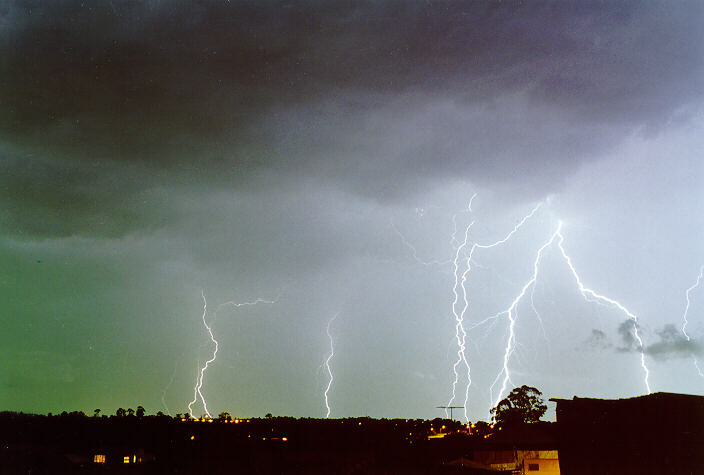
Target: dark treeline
131	441
70	443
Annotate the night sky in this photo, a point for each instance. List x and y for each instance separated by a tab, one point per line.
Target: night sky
322	155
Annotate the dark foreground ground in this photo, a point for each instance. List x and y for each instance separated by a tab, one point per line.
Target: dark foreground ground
32	444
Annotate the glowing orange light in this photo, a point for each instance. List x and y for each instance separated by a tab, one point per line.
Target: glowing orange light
284	439
193	437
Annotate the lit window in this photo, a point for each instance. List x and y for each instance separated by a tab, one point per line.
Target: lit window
533	467
126	459
98	458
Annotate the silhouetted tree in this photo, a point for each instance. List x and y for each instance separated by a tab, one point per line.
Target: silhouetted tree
120	412
224	416
140	411
522	405
268	415
96	412
130	412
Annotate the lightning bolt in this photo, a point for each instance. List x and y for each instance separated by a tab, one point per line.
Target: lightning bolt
588	294
412	248
461	281
511	313
453	240
685	322
327	365
197	393
166	388
199	380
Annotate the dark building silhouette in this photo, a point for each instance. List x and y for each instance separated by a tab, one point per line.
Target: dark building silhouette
662	433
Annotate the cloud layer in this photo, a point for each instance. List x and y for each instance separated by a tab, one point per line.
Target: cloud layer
101	101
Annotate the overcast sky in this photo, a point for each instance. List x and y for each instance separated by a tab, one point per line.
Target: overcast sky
322	155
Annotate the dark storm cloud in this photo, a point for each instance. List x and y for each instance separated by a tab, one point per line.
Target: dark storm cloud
627	331
102	99
672	344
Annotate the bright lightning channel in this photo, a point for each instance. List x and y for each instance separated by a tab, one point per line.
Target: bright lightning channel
197	393
511	313
327	365
199	380
588	294
685	322
461	281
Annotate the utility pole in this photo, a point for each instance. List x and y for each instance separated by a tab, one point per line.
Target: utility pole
450	408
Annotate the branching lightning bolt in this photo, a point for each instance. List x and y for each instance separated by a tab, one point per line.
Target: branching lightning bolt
588	294
685	322
460	333
327	365
199	381
511	313
197	393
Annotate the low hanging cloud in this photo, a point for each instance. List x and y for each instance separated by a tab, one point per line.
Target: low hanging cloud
672	344
627	331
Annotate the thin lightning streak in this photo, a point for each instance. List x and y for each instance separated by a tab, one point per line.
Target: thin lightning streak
586	292
163	392
414	251
453	237
537	314
461	334
471	200
197	393
199	382
327	365
684	316
686	309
